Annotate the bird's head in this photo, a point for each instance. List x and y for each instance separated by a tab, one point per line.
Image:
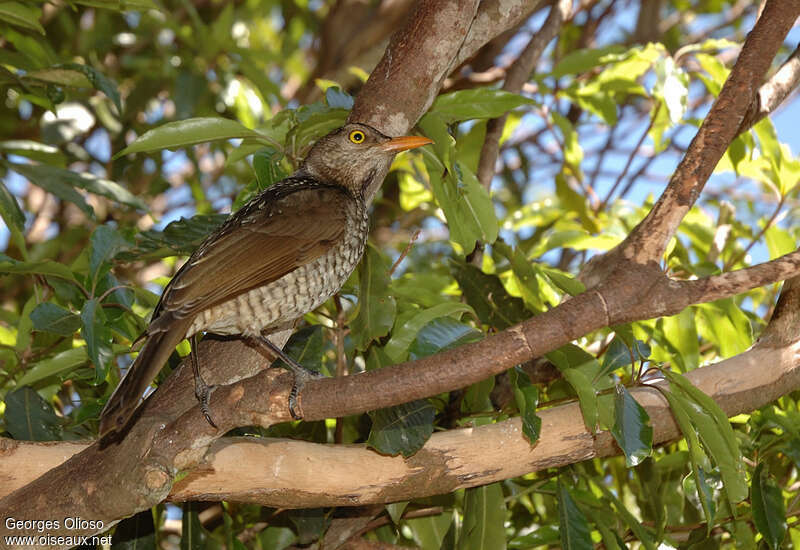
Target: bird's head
356	156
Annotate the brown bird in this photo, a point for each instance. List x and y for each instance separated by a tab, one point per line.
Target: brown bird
283	254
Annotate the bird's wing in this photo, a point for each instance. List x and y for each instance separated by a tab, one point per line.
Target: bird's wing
259	244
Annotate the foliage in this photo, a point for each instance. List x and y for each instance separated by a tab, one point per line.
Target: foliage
128	126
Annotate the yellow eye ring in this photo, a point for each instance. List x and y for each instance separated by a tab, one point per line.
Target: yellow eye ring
357	136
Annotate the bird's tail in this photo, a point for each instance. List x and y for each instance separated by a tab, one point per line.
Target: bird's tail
125	399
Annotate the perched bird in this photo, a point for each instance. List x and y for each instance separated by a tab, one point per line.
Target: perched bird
281	255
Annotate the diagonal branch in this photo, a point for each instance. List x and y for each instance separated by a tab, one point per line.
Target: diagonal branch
648	240
517	74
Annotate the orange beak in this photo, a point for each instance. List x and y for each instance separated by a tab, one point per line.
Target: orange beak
404	143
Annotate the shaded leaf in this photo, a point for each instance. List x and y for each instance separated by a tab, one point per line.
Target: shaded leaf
632	429
39	267
105	243
376	309
135	533
573	526
526	396
488	297
98	337
769	510
50	317
306	347
192	536
54	181
98	80
484	516
401	429
29	417
180	237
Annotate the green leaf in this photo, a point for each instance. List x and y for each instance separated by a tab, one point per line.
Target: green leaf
51	178
376	309
719	436
726	325
267	166
317	124
40	267
98	80
105	243
488	297
476	103
401	429
10	210
465	202
429	532
525	274
98	337
135	533
180	237
62	362
306	347
188	132
632	429
337	98
29	417
579	369
55	181
402	336
636	527
192	536
22	15
619	354
573	526
50	317
526	396
34	150
680	331
484	516
442	334
580	61
769	510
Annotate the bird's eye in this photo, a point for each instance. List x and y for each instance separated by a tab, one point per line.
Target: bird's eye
357	136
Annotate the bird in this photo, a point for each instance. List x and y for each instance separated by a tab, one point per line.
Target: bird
281	255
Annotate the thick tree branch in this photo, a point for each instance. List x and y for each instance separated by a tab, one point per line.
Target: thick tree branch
284	473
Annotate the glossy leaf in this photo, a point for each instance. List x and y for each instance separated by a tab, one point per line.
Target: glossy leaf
306	347
441	334
632	429
98	80
402	336
484	516
476	103
402	429
188	132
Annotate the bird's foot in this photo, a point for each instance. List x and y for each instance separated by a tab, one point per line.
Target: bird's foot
301	376
202	391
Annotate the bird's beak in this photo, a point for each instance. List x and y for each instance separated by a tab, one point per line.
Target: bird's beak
404	143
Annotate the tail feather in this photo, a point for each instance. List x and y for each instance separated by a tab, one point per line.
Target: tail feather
126	397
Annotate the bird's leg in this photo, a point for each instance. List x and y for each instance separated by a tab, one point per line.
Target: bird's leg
301	374
201	389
